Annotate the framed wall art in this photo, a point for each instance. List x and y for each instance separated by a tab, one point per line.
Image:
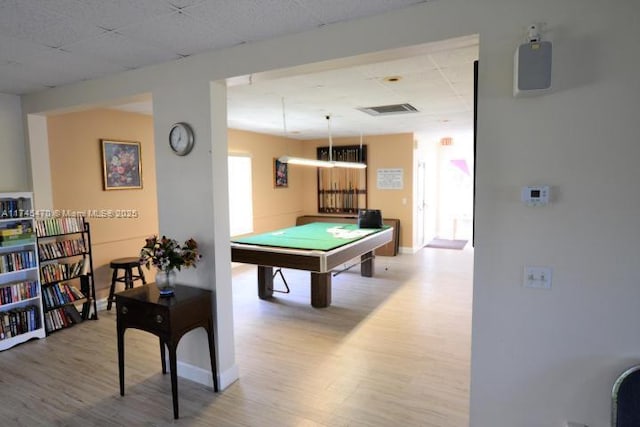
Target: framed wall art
121	165
280	174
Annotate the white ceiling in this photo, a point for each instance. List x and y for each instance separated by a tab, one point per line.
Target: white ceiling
437	80
49	43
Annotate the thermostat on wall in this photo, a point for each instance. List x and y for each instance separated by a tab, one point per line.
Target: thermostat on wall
535	195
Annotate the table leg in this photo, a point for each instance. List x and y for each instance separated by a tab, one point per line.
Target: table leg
121	359
320	289
212	354
367	265
174	377
163	357
265	282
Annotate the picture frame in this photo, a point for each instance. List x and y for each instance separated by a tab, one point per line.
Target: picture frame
121	165
280	174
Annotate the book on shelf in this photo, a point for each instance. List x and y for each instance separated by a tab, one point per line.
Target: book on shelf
19	260
57	226
60	294
16	233
18	291
64	248
15	208
18	321
60	318
60	271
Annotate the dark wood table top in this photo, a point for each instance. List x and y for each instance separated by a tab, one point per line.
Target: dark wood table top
149	293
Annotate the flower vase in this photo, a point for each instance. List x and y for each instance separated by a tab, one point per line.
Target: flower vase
166	282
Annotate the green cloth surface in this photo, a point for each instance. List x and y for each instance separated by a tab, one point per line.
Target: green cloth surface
322	236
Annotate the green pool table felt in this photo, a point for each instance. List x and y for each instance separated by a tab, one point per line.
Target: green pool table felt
322	236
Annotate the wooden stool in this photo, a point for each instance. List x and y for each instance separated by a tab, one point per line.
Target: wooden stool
126	264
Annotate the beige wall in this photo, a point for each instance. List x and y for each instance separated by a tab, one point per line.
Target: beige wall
383	151
77	182
272	207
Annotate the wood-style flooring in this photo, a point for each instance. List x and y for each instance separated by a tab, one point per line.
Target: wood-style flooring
392	350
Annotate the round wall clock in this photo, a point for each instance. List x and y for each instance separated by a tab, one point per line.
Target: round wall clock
181	138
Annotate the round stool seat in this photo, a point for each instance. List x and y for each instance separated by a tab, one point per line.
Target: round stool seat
127	265
125	262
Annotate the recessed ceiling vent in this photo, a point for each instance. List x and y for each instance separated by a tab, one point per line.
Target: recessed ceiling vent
386	110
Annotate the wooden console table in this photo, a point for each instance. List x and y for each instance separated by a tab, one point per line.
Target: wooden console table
169	318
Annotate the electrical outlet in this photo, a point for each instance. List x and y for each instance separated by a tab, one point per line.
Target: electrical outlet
537	277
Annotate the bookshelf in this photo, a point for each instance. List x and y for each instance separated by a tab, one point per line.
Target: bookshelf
341	190
66	272
21	310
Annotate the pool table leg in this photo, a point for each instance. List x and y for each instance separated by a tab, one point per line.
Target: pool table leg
321	289
265	282
366	265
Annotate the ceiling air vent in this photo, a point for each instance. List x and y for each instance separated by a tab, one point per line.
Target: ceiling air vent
386	110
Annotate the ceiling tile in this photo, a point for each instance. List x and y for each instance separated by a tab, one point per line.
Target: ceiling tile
181	33
329	11
256	19
108	14
55	67
127	52
12	49
184	3
21	19
12	83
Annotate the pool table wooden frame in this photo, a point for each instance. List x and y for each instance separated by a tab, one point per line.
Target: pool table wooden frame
319	263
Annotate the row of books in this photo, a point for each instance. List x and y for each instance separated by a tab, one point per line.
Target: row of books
64	248
61	318
56	272
12	228
15	261
55	226
14	208
18	291
16	233
60	294
19	321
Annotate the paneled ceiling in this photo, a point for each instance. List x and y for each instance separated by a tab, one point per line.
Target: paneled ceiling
49	43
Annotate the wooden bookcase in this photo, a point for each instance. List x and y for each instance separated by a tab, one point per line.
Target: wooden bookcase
342	190
66	272
21	311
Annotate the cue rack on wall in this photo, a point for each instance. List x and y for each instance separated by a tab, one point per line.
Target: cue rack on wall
342	190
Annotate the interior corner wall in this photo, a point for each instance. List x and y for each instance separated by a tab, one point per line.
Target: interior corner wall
120	220
383	152
273	208
14	173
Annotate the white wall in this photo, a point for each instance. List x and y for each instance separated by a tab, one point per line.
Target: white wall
13	165
539	357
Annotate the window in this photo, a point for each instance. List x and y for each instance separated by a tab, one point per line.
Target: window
240	195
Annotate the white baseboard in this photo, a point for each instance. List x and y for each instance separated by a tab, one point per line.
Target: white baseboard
408	251
203	376
101	304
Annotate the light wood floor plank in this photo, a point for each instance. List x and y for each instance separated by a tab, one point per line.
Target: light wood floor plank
391	350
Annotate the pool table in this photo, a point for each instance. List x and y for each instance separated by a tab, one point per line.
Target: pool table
319	248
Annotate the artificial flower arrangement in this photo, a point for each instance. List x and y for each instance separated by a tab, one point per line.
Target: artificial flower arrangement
167	254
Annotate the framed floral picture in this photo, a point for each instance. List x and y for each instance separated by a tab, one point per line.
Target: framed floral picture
280	174
121	165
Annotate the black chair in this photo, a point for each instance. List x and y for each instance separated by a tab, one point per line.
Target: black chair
625	405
